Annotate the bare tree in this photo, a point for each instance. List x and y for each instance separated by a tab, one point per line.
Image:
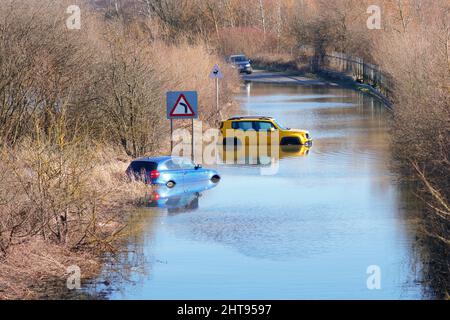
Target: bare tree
263	15
131	97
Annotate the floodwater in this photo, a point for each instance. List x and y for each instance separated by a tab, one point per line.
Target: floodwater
310	230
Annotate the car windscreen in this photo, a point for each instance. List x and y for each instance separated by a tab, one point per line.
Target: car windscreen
239	59
280	126
140	166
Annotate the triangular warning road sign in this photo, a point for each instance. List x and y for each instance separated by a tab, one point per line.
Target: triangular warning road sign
182	108
216	73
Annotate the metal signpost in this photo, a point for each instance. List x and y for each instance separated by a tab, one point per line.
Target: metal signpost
182	105
216	74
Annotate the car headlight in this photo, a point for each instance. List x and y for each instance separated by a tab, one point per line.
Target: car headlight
248	65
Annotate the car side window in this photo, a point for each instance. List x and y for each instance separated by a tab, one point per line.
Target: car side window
187	164
172	165
243	125
265	126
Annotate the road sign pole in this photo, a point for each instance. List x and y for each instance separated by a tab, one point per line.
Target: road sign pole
171	136
192	141
217	97
217	74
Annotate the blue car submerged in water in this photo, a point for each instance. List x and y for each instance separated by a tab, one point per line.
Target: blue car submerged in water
170	171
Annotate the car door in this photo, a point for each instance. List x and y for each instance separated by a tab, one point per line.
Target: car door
191	174
265	131
246	132
174	171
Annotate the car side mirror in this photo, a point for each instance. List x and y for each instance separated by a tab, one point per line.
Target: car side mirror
197	167
272	129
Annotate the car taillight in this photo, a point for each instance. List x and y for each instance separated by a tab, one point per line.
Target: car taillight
154	174
155	196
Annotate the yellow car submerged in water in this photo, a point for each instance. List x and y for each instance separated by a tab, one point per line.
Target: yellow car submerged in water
261	130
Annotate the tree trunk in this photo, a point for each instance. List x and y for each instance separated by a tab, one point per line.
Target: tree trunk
263	17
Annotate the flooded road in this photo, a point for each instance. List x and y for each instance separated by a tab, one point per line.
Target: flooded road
310	231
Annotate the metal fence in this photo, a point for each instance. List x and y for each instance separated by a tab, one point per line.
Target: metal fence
357	69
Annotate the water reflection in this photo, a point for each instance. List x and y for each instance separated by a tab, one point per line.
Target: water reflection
134	265
259	155
181	198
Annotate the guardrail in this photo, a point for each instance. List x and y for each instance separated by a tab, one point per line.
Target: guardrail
356	68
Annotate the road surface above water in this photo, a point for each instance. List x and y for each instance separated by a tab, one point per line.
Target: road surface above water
310	231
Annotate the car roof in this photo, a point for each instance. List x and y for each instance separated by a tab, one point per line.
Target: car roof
237	55
160	159
251	118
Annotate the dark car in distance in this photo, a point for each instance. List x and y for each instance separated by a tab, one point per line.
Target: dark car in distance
241	63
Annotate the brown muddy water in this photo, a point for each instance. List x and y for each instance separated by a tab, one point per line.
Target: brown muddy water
309	231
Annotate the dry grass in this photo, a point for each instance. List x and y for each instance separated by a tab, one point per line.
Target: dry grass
63	195
277	61
92	194
247	40
32	264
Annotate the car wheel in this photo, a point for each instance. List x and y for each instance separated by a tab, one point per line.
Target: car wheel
215	178
170	184
290	141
